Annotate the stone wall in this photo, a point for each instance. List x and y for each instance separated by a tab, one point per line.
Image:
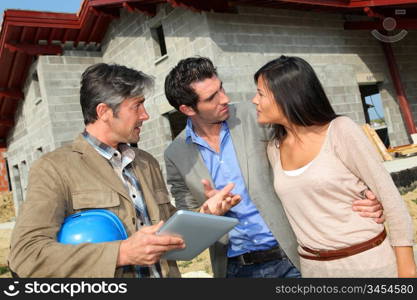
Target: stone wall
60	83
49	116
129	42
341	58
32	131
239	43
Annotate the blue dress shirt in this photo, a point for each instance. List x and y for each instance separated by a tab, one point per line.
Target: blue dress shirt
251	234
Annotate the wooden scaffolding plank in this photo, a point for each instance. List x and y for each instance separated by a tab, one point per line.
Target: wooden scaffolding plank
404	149
376	141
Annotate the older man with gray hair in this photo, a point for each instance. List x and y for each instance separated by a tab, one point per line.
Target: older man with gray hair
99	170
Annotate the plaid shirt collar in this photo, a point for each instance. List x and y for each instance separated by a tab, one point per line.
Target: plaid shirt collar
108	152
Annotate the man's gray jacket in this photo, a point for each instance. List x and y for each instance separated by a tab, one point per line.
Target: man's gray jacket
186	168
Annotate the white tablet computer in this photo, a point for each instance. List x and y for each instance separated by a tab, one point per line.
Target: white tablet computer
198	230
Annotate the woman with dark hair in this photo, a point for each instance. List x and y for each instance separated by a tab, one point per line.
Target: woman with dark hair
321	161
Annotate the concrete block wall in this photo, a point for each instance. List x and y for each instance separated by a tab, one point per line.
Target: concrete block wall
59	77
31	133
49	116
240	43
129	42
247	40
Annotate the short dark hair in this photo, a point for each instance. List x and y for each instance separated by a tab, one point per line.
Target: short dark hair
178	82
110	84
297	91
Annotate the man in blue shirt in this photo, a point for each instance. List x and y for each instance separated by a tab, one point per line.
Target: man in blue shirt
223	143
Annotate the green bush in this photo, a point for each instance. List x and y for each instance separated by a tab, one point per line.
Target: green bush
3	269
184	264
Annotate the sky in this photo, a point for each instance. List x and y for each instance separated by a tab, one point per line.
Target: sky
70	6
377	112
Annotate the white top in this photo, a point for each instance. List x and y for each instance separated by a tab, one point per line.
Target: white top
297	172
301	170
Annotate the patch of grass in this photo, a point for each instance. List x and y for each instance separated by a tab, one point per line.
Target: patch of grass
3	270
414	200
184	264
405	189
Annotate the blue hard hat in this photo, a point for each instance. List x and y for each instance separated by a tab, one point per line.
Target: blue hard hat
91	226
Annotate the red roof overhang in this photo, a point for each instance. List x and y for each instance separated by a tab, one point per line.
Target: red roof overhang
349	3
27	34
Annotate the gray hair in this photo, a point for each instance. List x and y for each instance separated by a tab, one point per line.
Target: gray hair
111	84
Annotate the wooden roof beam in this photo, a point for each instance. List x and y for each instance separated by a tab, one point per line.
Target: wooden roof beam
350	3
95	28
12	93
6	122
332	3
96	3
365	3
101	13
198	6
408	24
149	10
51	35
32	49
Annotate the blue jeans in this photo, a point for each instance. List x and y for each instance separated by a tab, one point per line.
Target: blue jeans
280	268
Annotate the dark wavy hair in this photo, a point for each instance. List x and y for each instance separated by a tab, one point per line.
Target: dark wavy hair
178	82
297	91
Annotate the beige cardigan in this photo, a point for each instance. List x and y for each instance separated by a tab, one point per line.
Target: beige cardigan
71	179
318	202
